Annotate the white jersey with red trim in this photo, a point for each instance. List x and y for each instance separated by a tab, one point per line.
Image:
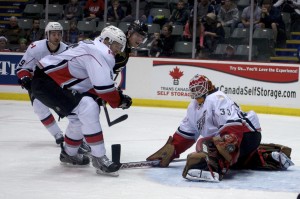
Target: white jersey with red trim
84	66
217	113
35	52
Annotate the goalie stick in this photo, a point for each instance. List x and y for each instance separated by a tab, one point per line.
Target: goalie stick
119	119
152	163
116	154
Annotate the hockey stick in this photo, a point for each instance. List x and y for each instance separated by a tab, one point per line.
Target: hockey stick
119	119
109	122
152	163
116	154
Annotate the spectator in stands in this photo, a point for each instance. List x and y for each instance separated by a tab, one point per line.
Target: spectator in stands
73	11
187	31
179	15
203	8
93	10
229	15
62	2
130	15
3	44
71	35
292	7
155	45
229	53
168	41
115	12
213	32
35	33
12	32
22	45
217	5
245	18
271	18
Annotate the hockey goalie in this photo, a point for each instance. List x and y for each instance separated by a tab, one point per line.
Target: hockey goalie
225	136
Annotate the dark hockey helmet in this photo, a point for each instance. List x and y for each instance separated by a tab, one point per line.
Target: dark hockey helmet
139	27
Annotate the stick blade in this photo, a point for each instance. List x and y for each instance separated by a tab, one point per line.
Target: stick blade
118	120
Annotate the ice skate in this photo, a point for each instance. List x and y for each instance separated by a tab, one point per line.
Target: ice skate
78	159
59	138
105	166
84	148
284	161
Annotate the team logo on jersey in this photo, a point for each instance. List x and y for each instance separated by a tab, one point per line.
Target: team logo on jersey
176	74
201	122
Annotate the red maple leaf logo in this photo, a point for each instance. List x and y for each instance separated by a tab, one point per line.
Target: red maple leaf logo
176	73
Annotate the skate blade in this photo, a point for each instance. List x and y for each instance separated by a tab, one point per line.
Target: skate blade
66	164
200	175
113	174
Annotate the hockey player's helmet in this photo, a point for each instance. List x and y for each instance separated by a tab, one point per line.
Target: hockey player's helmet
113	34
139	27
200	86
52	26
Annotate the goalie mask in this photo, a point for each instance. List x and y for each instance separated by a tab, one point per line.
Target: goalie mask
200	86
53	26
113	34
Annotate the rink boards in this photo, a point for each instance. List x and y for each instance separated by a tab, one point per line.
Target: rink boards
264	87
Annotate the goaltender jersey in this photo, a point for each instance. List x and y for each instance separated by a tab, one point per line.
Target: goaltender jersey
215	114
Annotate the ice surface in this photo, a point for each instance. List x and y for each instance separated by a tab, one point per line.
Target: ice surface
30	167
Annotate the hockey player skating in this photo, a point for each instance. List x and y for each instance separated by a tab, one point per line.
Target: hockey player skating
59	82
226	137
52	45
136	34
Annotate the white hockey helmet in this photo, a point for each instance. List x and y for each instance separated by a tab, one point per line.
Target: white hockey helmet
51	26
113	34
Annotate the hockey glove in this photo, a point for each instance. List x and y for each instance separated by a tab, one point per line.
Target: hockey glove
118	69
25	82
166	154
126	101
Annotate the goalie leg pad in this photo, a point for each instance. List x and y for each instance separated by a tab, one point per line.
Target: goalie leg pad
166	154
282	159
195	160
269	157
201	175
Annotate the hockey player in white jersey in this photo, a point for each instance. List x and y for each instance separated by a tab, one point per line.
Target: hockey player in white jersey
37	50
226	137
60	81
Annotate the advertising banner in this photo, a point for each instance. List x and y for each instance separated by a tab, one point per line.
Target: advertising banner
247	83
8	64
